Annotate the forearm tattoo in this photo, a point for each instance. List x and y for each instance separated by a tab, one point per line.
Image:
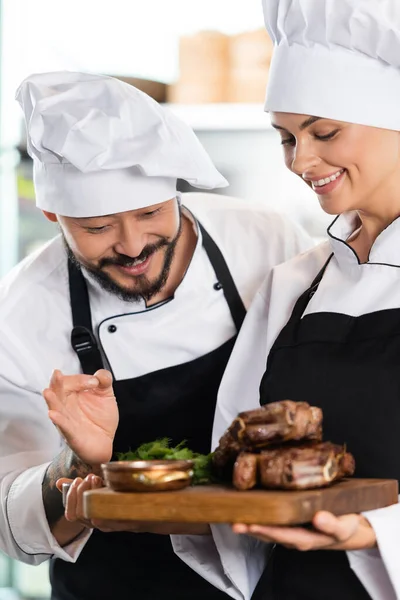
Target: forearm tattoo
66	464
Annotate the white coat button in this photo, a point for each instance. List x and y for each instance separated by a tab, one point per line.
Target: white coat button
112	329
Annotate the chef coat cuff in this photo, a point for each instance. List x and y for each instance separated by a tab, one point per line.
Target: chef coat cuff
28	523
232	563
379	569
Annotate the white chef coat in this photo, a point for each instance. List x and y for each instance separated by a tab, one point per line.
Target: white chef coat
36	323
347	287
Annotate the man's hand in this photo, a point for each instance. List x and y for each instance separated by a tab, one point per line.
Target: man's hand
348	532
74	513
84	409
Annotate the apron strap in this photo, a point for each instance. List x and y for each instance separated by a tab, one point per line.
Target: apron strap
225	279
306	296
82	339
289	330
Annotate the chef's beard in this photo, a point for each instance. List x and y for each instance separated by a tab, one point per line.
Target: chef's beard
143	288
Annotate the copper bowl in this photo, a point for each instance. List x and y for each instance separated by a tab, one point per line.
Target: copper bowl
147	475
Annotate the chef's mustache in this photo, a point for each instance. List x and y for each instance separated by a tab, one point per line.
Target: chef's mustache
122	260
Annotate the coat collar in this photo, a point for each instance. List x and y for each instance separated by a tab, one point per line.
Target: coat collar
385	250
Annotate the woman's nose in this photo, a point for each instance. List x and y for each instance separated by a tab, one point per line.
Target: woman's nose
304	159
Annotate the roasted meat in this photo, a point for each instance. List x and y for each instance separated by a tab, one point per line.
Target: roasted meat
227	451
271	424
304	467
245	471
278	446
280	422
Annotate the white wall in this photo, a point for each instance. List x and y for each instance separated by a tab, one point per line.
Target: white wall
252	162
123	37
140	38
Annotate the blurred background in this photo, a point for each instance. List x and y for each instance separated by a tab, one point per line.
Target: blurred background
208	60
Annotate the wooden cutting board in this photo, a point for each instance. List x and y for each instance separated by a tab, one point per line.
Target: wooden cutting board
219	504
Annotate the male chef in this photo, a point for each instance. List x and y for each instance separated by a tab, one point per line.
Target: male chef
143	282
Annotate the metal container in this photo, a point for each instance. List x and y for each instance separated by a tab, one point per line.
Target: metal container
147	475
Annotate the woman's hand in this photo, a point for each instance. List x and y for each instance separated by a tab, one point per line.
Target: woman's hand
74	513
348	532
84	409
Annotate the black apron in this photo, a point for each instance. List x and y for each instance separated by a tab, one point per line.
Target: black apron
348	366
177	402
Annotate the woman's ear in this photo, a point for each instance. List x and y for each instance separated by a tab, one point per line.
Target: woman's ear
50	216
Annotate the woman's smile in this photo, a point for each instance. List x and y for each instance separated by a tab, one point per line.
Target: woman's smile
328	183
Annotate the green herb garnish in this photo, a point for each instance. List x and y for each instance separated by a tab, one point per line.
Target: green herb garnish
161	450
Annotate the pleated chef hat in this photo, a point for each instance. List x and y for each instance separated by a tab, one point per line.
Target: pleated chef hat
338	59
101	146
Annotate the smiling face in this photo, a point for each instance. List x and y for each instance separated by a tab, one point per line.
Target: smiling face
350	167
130	253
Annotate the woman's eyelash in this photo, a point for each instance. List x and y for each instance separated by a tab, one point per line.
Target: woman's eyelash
328	136
288	141
322	138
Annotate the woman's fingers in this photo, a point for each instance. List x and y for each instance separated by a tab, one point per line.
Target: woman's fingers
291	537
341	528
346	532
351	532
240	528
296	537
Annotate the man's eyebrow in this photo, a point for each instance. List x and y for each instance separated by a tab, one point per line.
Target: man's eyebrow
84	219
303	126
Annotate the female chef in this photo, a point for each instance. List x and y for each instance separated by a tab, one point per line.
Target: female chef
326	326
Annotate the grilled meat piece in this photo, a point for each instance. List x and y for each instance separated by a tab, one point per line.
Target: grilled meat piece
227	451
304	467
245	471
283	411
271	424
279	445
283	421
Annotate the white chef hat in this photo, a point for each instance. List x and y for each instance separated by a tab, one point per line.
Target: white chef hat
101	146
337	59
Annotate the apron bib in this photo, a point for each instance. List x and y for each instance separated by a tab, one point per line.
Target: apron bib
177	402
349	367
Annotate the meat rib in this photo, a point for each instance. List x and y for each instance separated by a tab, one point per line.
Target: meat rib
304	467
